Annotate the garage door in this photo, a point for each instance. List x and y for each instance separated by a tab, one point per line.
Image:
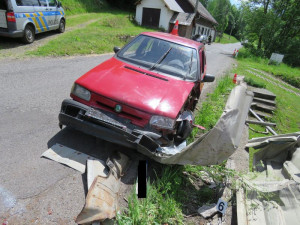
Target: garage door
151	17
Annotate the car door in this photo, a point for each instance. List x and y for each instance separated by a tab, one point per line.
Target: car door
53	21
41	15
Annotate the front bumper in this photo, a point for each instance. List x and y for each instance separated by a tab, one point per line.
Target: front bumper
96	123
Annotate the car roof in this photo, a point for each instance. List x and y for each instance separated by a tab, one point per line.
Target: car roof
175	39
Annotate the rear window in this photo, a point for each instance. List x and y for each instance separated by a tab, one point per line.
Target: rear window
27	2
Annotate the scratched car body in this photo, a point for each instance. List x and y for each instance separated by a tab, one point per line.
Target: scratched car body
144	96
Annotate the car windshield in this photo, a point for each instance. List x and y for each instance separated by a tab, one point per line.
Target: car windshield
162	56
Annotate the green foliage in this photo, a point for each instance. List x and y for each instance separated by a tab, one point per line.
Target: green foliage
282	71
273	27
163	202
287	111
226	39
96	38
72	7
213	107
254	83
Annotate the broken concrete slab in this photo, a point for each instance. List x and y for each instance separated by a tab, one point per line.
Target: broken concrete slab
208	211
262	93
102	198
264	107
67	156
273	196
264	101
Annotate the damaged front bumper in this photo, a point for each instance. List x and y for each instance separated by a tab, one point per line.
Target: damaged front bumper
104	126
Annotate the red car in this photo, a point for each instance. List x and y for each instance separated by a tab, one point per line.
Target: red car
144	96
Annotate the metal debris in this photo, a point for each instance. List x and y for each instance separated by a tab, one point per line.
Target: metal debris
67	156
95	168
102	198
228	130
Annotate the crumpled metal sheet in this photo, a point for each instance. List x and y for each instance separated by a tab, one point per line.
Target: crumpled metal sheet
102	198
273	145
273	195
221	141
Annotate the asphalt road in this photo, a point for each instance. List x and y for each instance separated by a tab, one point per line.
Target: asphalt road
35	190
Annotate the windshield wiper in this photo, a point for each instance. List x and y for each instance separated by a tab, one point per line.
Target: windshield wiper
161	59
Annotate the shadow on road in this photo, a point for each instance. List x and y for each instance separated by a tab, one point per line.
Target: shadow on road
10	43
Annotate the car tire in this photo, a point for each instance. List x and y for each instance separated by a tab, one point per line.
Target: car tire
29	34
183	131
62	26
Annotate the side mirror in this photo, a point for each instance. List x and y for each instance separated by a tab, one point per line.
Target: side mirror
208	78
116	49
59	5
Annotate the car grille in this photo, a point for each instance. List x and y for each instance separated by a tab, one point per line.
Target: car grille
136	116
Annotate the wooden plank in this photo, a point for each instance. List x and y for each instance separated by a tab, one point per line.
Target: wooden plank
261	123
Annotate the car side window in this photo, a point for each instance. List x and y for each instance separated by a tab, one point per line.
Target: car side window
52	3
43	3
28	3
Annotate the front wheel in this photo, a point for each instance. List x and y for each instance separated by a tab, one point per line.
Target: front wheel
62	26
29	35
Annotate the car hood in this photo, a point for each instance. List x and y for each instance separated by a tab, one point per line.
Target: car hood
139	88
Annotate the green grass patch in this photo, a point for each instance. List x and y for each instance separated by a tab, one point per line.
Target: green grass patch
96	38
213	107
72	7
226	39
254	83
286	73
287	111
82	18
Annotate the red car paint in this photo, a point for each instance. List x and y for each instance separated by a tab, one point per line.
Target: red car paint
141	96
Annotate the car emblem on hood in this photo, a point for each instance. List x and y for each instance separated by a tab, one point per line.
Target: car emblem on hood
118	108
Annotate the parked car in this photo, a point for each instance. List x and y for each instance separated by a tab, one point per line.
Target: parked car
26	18
144	96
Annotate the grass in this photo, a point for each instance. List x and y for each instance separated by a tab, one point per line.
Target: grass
286	73
96	38
72	7
213	107
226	39
287	111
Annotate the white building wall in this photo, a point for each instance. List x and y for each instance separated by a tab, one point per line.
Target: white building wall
165	13
206	30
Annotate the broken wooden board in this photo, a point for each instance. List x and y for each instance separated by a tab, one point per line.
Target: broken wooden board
264	101
67	156
262	93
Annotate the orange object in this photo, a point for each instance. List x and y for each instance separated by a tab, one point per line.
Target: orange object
175	29
234	78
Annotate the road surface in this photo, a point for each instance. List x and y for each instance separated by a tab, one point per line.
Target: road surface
35	190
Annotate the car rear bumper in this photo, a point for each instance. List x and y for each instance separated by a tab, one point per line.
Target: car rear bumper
74	114
14	34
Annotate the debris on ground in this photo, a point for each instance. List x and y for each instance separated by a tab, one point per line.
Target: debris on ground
67	156
208	211
228	130
272	196
102	198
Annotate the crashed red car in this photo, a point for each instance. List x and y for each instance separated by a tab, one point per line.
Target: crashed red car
144	96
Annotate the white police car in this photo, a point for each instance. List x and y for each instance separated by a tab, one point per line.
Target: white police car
25	18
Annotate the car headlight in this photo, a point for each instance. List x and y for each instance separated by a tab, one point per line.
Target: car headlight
81	92
162	122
